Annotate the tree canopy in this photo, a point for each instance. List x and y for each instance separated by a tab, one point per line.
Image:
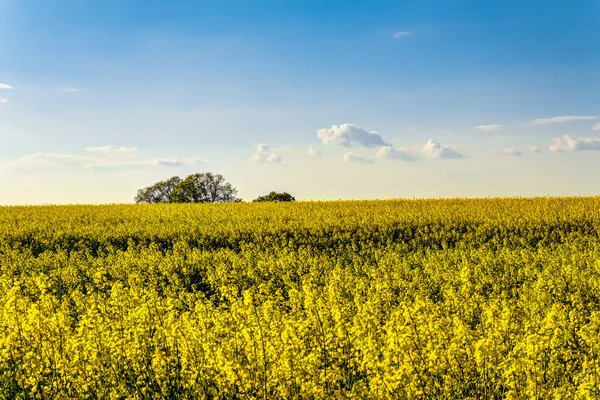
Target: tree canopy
204	188
160	192
196	188
276	197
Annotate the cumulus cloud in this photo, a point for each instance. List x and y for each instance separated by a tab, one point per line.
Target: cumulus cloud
349	135
265	155
351	157
5	86
489	128
436	150
596	127
111	150
564	118
3	100
390	153
569	143
509	151
401	34
311	151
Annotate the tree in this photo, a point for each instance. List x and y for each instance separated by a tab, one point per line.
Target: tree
204	188
196	188
160	192
276	197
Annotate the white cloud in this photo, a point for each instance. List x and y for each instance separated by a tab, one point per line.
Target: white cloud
46	161
348	135
264	154
274	158
535	149
565	118
69	90
390	153
436	150
356	158
111	150
569	143
509	151
489	128
311	151
169	162
596	127
3	100
400	34
5	86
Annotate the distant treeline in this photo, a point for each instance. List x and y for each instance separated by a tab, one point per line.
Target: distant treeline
203	187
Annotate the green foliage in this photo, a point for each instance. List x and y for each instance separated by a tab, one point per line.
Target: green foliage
196	188
160	192
415	299
275	197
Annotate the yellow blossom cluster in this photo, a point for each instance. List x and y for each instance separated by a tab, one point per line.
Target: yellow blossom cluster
402	299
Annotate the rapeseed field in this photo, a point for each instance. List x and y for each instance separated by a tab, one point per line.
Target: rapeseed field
402	299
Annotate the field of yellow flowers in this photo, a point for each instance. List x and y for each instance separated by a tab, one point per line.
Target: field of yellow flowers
407	299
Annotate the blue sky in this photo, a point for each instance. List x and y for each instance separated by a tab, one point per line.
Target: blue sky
467	98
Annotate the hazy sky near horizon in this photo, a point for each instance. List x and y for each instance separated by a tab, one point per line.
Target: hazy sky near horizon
324	99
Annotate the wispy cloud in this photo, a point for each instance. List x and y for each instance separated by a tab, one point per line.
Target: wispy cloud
391	153
111	150
5	86
509	151
568	143
69	90
401	34
596	127
535	149
564	118
349	135
3	100
56	161
489	128
351	157
264	154
170	162
434	149
274	158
